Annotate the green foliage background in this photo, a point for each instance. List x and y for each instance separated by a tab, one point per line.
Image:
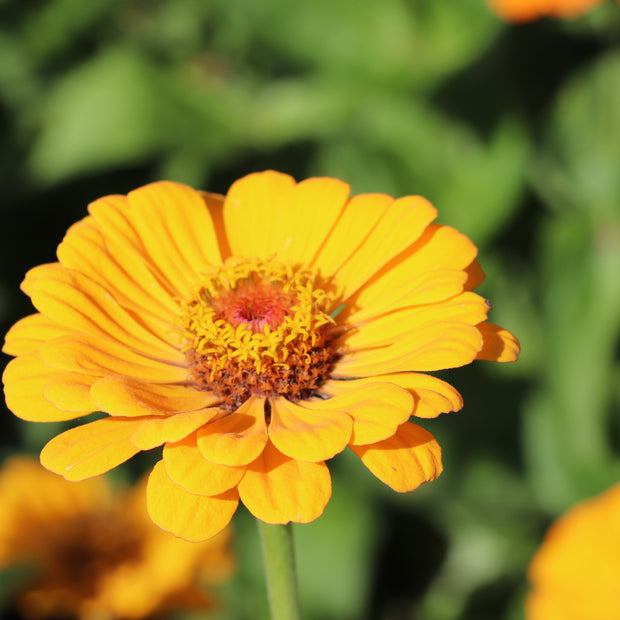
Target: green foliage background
513	132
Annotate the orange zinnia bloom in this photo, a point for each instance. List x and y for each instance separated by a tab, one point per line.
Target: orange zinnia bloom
255	336
576	572
96	553
528	10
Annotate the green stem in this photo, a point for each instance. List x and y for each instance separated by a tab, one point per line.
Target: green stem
279	559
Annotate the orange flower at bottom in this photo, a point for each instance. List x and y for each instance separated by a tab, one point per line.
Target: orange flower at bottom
529	10
254	336
575	573
96	554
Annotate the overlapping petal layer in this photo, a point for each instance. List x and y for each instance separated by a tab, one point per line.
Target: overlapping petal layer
151	315
404	461
192	517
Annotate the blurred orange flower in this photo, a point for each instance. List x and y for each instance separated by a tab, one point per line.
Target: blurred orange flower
528	10
96	553
255	336
576	571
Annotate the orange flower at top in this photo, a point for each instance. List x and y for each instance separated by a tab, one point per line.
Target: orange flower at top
254	336
95	553
576	572
528	10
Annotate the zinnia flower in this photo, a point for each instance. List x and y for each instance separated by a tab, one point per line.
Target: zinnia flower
576	571
254	336
95	553
528	10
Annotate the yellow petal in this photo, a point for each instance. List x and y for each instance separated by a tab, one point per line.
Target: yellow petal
34	274
186	467
120	268
238	438
28	333
156	431
24	379
436	347
176	231
404	289
398	326
499	344
247	204
377	409
75	301
439	247
128	397
432	395
299	230
71	392
215	204
405	460
300	215
277	489
91	449
358	218
100	356
402	223
308	433
192	517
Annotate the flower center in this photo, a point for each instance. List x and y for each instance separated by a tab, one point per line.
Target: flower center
259	327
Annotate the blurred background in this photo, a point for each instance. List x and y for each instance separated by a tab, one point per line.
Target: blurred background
512	131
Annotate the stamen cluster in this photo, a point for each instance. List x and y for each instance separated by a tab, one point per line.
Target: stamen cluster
258	327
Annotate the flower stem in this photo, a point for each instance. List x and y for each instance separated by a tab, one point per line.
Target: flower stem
279	559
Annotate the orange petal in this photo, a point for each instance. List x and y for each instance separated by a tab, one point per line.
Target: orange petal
91	449
238	438
377	409
215	204
300	215
404	289
436	347
156	431
34	274
70	391
402	223
475	276
499	344
24	379
76	302
28	333
129	397
176	231
405	460
101	356
192	517
121	268
245	206
357	220
528	10
277	489
310	212
439	247
400	325
432	395
186	467
308	433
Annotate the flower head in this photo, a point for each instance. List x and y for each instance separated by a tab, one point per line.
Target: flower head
576	571
528	10
95	552
254	336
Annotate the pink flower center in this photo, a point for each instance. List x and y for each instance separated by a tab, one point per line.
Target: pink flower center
255	305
